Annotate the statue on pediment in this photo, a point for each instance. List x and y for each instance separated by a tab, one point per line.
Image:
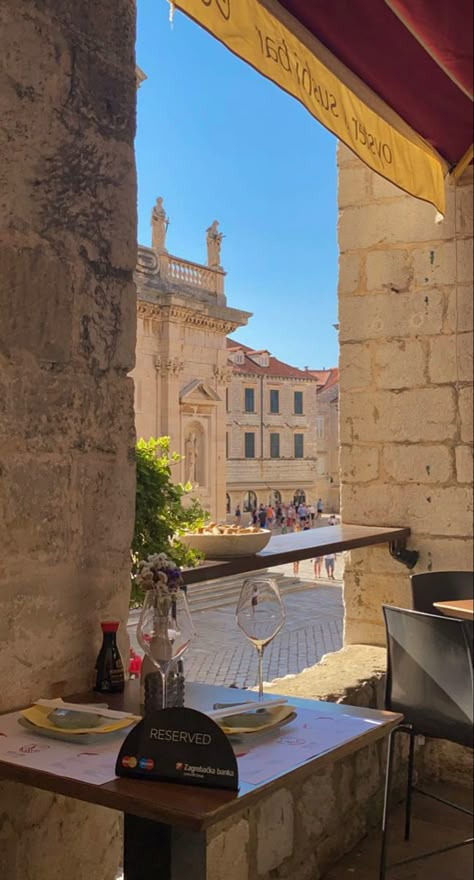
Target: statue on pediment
214	241
159	226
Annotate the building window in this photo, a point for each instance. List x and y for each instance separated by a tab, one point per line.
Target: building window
227	444
299	445
274	446
320	427
227	503
298	403
249	400
274	401
250	445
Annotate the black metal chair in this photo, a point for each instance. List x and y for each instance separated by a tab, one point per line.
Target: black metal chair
430	682
440	586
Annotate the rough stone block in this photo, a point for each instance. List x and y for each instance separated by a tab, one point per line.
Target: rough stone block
434	265
394	416
385	189
464	209
353	186
317	809
465	411
450	358
460	309
465	261
414	463
389	270
227	853
43	830
390	315
41	287
355	367
400	363
274	831
350	273
359	464
392	222
464	464
427	510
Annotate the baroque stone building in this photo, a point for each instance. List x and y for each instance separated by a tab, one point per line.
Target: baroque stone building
181	359
271	430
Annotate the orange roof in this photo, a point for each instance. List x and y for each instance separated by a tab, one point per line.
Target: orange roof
276	368
326	378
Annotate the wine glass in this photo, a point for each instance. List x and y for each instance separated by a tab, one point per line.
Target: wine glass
260	616
164	630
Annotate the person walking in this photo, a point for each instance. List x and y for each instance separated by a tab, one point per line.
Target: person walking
312	513
270	516
238	515
319	508
262	516
330	562
317	566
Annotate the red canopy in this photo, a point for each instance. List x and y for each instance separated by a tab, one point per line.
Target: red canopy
415	54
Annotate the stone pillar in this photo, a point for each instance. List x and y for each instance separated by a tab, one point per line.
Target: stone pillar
67	338
405	313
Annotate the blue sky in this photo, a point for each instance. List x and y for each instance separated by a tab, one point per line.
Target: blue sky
218	141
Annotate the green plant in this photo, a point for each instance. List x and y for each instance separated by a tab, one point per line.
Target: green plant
163	509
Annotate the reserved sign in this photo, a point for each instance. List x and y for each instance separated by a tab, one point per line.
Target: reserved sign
179	745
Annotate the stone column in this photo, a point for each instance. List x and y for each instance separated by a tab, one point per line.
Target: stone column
67	338
405	312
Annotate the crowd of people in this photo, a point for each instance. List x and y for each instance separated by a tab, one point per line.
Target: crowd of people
286	517
294	518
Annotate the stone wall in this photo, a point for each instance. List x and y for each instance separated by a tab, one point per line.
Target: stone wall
405	314
67	339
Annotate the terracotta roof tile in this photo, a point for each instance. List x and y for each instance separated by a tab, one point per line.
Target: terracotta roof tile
278	369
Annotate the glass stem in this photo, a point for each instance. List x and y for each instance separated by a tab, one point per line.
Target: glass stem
164	689
260	671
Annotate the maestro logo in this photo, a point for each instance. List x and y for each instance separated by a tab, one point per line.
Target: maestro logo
129	761
222	5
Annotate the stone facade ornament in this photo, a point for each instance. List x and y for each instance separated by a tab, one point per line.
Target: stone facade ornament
214	241
222	374
169	366
159	226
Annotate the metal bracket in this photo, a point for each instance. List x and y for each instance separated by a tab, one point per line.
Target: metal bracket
398	550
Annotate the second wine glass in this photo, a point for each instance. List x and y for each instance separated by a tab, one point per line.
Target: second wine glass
260	616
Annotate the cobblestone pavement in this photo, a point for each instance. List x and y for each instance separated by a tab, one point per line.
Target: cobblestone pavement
220	654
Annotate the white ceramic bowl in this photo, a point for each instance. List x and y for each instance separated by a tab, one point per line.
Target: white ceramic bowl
227	546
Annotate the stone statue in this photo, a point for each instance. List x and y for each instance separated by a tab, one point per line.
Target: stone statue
191	457
214	241
159	226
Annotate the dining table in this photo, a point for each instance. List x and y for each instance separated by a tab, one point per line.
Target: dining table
462	608
165	823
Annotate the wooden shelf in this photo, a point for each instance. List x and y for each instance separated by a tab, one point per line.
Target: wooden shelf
297	546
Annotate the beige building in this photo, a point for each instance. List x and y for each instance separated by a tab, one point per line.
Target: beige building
181	359
271	430
327	437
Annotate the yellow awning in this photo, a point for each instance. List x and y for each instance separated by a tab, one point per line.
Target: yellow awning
278	46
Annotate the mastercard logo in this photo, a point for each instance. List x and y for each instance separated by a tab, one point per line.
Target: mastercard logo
146	764
179	766
130	762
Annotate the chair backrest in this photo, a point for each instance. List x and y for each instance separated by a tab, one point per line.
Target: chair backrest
440	586
430	673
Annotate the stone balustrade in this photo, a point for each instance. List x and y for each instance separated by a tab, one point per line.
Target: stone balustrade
209	279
